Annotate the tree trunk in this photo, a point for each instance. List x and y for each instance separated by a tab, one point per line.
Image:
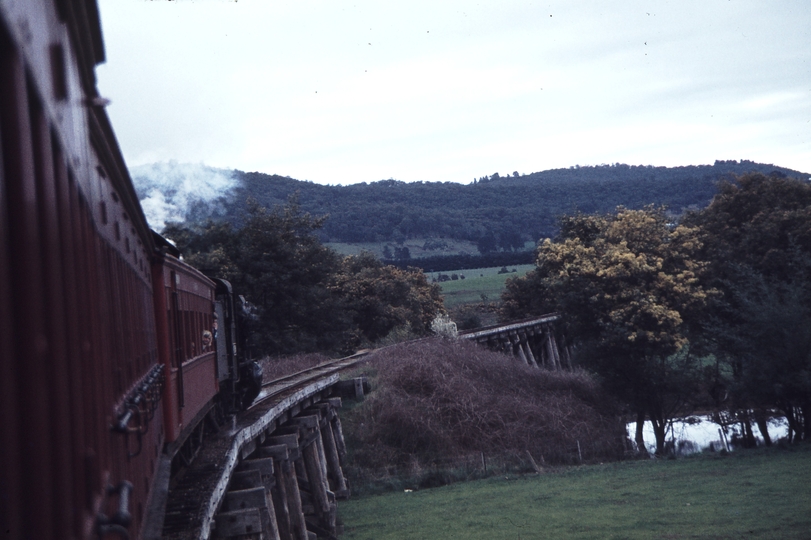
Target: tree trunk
659	424
748	434
763	425
806	412
788	410
659	430
640	437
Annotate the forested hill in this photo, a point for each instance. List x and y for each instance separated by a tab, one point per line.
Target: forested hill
497	212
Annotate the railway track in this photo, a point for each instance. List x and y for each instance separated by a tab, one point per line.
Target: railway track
278	386
290	432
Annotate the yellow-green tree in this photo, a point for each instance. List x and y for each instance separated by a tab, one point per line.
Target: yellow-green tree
628	285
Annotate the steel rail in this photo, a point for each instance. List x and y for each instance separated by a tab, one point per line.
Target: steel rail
279	385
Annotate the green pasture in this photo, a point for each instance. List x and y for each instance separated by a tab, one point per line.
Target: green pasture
477	282
745	494
414	245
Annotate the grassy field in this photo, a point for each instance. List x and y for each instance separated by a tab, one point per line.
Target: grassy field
746	494
477	282
414	245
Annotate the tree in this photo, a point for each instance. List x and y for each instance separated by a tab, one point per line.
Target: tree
307	297
208	247
768	347
510	240
628	284
278	263
756	221
381	299
757	235
286	272
402	253
487	243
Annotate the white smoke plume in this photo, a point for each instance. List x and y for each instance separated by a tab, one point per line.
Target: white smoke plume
181	191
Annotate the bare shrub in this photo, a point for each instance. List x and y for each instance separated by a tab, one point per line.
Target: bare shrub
275	367
442	325
441	400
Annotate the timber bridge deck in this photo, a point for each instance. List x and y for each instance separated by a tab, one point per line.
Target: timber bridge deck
276	473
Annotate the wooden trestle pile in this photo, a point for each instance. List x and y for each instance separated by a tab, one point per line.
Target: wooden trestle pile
288	483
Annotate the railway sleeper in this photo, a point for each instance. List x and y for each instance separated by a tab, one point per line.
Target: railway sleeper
256	498
243	524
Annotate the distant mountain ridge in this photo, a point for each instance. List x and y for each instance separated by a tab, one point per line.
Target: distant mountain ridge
497	213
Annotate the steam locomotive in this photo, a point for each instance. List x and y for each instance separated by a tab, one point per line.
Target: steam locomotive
115	356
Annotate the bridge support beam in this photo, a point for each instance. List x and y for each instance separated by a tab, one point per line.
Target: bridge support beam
279	492
529	355
315	465
338	432
517	349
335	473
286	449
298	470
261	469
553	348
246	499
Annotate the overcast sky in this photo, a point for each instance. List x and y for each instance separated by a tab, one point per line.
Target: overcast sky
341	92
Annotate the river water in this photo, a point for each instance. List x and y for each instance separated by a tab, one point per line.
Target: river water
698	433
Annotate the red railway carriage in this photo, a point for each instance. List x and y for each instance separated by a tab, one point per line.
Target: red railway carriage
187	348
109	357
79	437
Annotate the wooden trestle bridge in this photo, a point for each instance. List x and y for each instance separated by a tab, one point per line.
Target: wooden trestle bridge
277	472
533	341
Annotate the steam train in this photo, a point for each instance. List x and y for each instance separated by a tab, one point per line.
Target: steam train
115	355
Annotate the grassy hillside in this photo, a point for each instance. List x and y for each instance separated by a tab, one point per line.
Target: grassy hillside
746	494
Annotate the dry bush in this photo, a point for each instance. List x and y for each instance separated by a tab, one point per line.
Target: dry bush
442	400
275	367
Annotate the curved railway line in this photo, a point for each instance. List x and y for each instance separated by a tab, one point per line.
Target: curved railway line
277	470
292	435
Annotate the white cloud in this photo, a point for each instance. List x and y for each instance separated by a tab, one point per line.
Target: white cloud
343	92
